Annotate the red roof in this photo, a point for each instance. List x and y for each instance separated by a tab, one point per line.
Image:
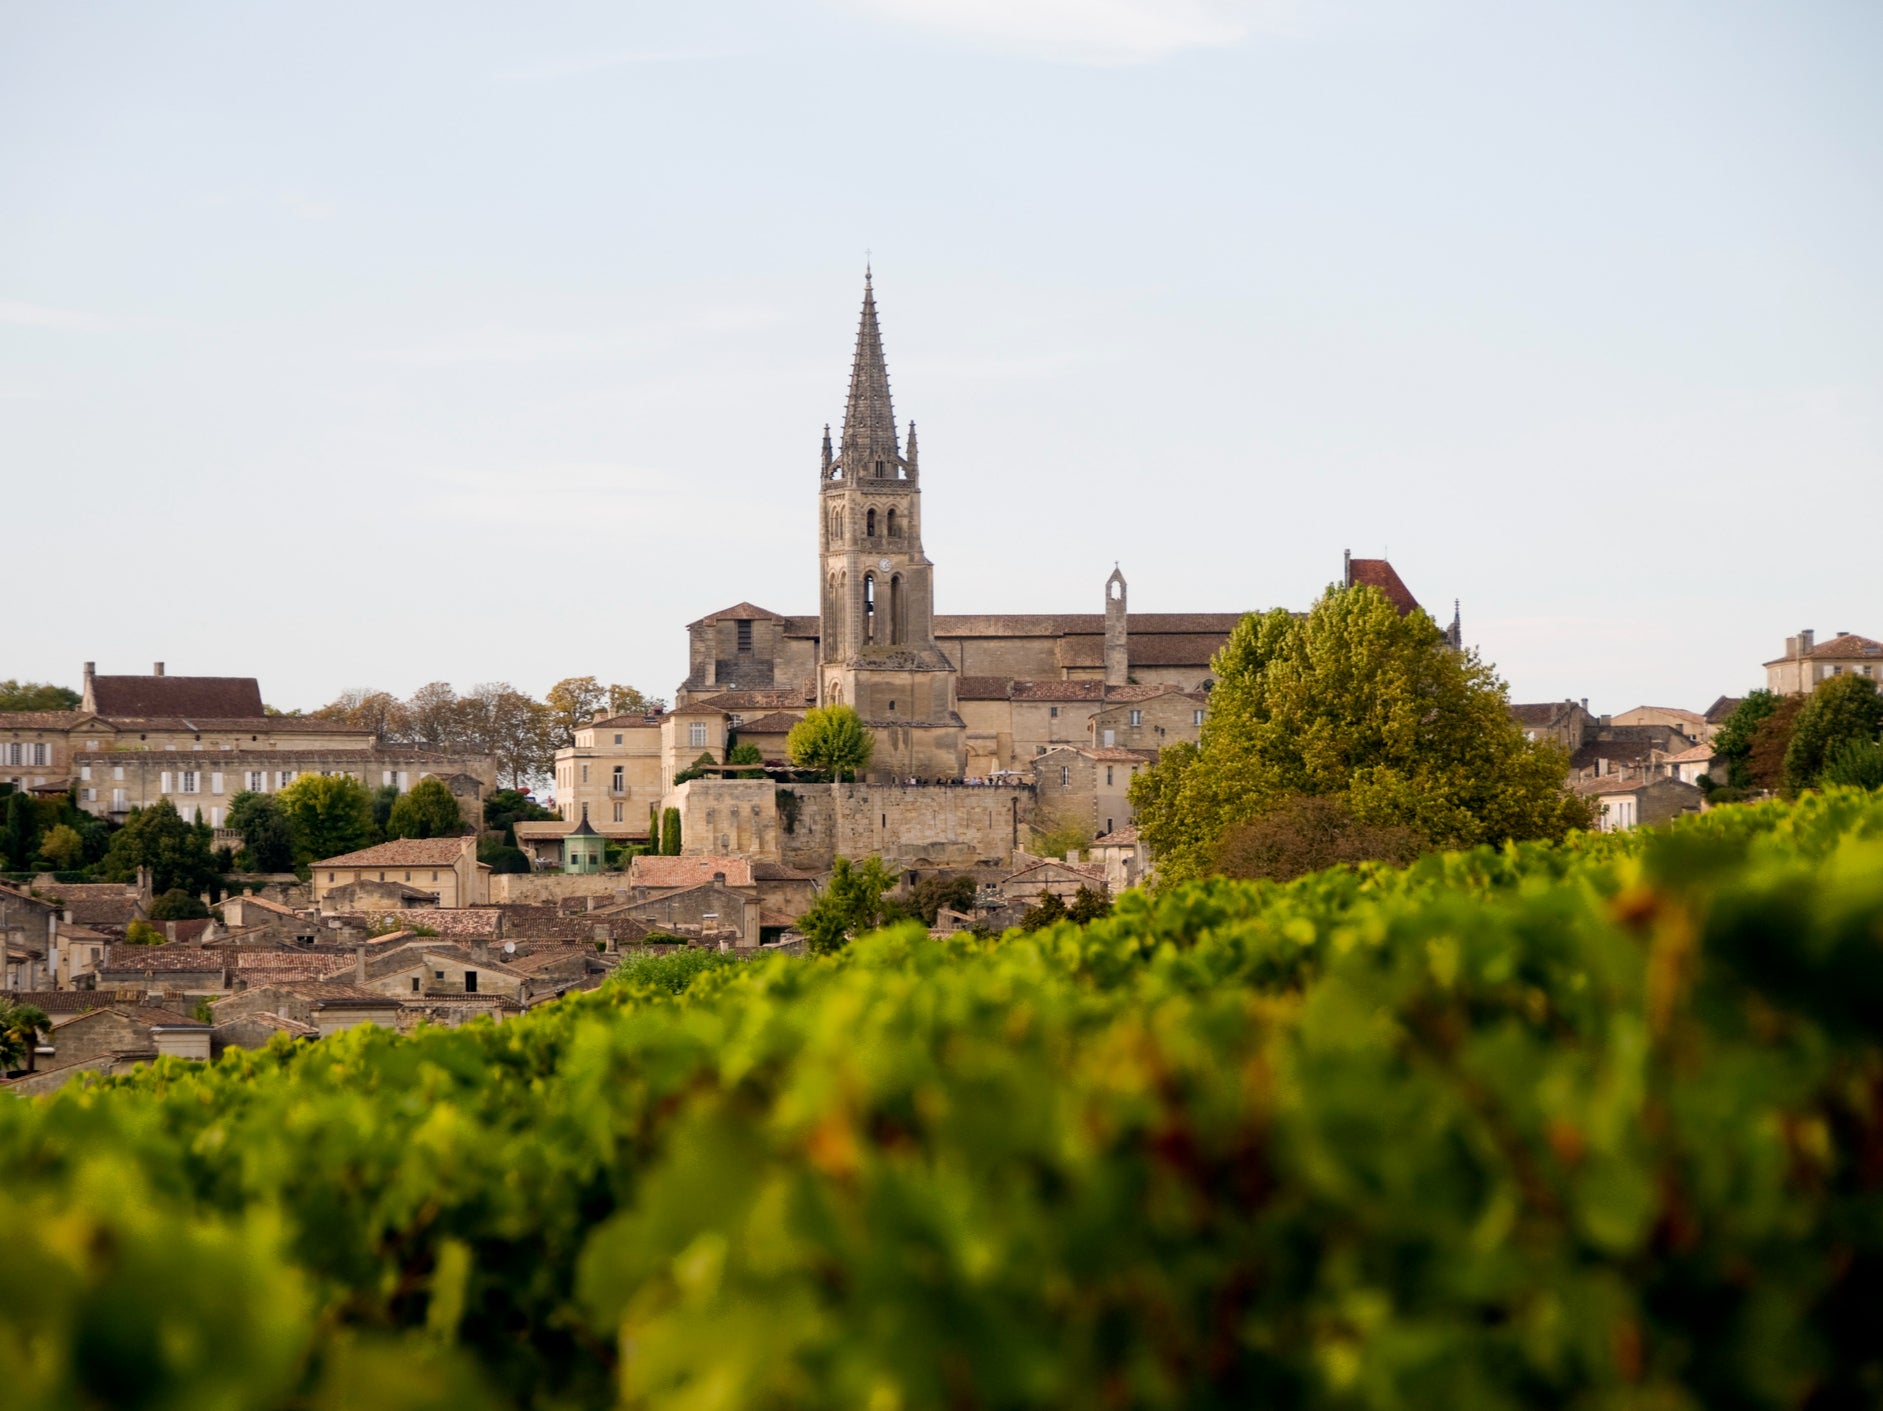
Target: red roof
188	696
1378	573
688	871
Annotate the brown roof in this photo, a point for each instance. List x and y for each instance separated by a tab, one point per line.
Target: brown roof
173	956
1692	756
77	1001
776	723
1090	624
1117	838
1848	644
622	722
760	700
40	719
778	872
1723	707
1692	717
269	1020
176	695
274	967
402	852
1079	869
1378	573
1109	755
688	871
737	612
983	688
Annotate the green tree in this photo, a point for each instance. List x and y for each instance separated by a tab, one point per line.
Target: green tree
380	713
1309	834
1771	741
331	815
626	700
502	857
1841	710
141	933
21	838
428	811
695	769
1358	703
746	754
518	731
572	702
1090	903
22	1026
1048	910
831	740
850	904
267	835
670	833
384	797
37	695
63	847
653	830
505	808
178	905
176	852
1732	742
1856	764
929	895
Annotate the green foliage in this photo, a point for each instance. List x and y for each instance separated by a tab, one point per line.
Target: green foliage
1307	834
331	815
670	833
653	830
746	754
1591	1124
698	769
20	839
22	1027
1357	703
1089	904
506	808
930	894
1771	742
178	905
1857	764
833	741
1048	911
385	797
429	811
37	695
1841	710
1058	837
267	835
177	853
142	933
502	857
1732	742
63	847
850	904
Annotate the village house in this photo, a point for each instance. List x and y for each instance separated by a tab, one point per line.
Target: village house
1636	802
1088	788
1562	723
614	770
1807	663
446	869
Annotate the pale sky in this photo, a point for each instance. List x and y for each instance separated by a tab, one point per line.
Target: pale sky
352	344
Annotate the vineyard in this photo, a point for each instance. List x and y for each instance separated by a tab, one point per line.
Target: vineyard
1596	1124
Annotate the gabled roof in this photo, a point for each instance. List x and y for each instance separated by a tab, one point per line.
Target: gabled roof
738	612
403	852
1848	644
797	699
1117	838
1048	864
777	722
188	696
1722	708
1692	756
1540	713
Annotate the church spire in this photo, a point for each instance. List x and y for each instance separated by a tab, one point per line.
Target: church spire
869	422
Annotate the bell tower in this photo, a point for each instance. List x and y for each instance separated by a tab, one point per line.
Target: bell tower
877	650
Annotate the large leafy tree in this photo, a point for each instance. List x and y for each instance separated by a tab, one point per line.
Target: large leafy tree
1356	703
380	712
518	731
20	839
1841	710
177	853
178	905
63	847
37	695
428	811
1732	743
832	740
331	814
851	903
267	835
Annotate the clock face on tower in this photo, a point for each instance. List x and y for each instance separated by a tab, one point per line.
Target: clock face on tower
883	564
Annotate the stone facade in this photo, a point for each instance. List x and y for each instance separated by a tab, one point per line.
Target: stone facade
1087	788
614	770
1808	663
445	868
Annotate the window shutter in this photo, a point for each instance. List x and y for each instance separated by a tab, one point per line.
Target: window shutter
163	783
215	783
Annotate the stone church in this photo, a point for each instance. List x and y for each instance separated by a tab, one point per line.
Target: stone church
949	696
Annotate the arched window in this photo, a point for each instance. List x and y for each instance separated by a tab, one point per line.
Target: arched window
890	526
879	470
898	608
869	524
869	608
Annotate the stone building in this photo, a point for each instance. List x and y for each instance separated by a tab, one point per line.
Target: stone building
1809	663
446	869
613	771
1086	788
946	697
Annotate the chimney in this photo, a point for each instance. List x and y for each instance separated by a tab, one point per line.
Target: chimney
91	670
1346	568
599	713
156	669
359	965
1805	640
1585	705
592	901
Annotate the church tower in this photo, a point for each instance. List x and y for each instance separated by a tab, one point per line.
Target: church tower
877	650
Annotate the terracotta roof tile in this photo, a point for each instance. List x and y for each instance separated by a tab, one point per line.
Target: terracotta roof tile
1378	573
747	612
403	852
688	871
1848	644
170	957
775	723
41	719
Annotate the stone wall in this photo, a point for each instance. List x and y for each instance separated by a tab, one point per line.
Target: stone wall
548	888
919	827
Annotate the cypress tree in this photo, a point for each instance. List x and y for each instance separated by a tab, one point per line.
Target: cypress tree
670	833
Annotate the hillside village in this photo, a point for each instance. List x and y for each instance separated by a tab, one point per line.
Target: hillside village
1004	750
